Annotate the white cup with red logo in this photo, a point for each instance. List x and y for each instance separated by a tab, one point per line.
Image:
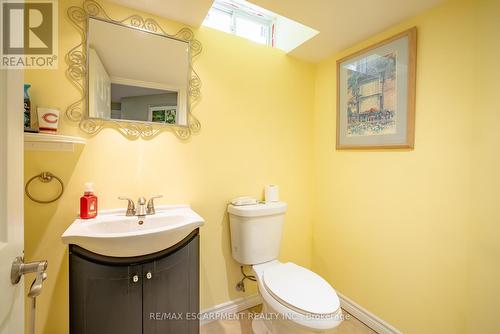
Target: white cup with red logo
48	120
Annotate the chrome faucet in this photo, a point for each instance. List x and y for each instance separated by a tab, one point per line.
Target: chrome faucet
143	209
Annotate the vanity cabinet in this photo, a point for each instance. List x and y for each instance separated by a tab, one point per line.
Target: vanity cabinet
152	294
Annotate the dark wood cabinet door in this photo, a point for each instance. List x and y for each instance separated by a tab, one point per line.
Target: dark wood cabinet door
104	299
171	292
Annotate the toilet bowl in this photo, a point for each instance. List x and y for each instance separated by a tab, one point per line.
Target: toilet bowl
295	299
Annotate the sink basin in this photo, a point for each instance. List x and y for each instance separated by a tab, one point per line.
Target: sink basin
112	233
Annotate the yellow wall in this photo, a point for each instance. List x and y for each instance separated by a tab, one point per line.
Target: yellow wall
402	232
483	295
411	235
256	129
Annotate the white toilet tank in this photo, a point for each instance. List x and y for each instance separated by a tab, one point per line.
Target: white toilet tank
256	231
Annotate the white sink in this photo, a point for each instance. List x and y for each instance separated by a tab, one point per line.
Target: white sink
112	233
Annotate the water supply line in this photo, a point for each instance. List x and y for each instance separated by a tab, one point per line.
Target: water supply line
240	286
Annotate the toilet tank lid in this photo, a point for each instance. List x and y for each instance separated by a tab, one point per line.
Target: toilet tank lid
257	210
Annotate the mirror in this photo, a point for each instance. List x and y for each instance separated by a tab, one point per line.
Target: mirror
136	77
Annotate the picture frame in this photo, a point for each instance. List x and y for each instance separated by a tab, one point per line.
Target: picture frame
376	95
162	114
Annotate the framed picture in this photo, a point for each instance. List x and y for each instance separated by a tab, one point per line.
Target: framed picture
162	114
376	95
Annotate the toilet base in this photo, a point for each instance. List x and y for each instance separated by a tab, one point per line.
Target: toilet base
259	327
262	324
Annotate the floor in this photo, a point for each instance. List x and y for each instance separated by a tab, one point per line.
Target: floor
243	325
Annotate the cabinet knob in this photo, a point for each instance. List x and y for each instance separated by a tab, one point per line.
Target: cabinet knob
135	278
149	275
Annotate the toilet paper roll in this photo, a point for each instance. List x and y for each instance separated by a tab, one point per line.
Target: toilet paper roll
272	193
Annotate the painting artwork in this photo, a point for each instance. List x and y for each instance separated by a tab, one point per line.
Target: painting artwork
158	116
371	89
162	114
170	115
375	105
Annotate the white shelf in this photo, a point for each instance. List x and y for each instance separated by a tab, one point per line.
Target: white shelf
49	142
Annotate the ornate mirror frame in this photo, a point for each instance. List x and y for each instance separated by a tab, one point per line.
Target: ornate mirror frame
77	74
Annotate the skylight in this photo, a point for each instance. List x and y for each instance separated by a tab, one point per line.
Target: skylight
244	19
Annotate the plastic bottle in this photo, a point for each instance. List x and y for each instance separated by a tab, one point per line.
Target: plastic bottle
88	202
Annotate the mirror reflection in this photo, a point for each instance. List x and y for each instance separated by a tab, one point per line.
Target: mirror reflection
142	104
135	75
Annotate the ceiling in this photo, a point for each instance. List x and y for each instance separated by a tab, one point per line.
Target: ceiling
341	23
118	92
190	12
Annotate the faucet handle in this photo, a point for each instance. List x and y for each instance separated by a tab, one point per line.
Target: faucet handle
151	204
130	206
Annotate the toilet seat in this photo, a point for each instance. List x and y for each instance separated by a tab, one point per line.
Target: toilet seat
291	313
300	289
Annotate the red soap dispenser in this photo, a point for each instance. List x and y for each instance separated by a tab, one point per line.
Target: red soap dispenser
88	202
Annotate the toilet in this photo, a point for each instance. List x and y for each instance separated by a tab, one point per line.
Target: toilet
295	299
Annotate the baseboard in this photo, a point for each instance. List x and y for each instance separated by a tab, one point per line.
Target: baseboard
241	304
366	317
230	307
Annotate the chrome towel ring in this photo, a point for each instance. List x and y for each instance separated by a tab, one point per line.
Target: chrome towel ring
44	177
